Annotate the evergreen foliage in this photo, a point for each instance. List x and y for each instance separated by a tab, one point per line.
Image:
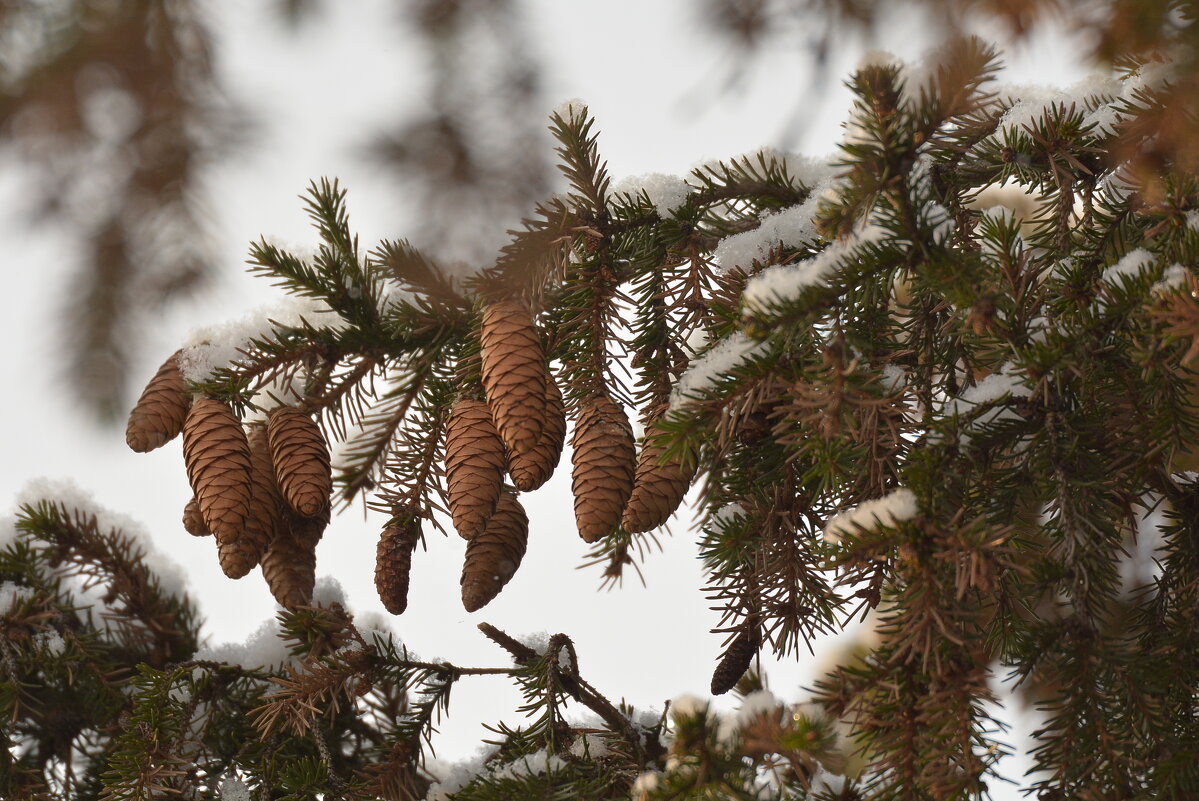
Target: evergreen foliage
943	384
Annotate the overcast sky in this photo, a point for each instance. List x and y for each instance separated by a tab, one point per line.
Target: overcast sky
646	71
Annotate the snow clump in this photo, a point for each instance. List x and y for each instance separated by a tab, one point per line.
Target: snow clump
889	510
665	192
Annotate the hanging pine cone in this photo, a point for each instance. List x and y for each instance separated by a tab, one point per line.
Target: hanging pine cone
734	664
533	468
289	564
658	488
265	512
193	522
602	478
514	374
494	555
160	412
474	466
393	561
301	460
218	467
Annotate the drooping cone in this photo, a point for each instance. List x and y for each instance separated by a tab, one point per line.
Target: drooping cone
265	513
658	488
218	467
736	661
159	414
531	469
493	556
603	461
289	564
193	522
514	374
301	460
393	561
474	466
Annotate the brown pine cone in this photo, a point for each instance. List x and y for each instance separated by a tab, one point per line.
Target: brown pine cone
159	414
658	488
734	664
218	467
494	555
301	460
533	468
602	478
193	522
265	513
514	373
289	564
393	561
474	466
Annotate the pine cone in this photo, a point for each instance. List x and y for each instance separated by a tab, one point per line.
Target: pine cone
493	556
393	561
734	664
533	468
265	512
514	374
301	460
474	465
160	412
289	564
218	467
602	478
658	488
193	522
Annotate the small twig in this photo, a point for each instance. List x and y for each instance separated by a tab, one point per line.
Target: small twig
520	652
571	682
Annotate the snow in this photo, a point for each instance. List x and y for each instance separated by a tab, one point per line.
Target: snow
825	782
539	641
372	624
646	782
725	515
49	641
688	706
785	282
564	659
889	510
665	192
590	746
705	372
1007	381
1032	102
11	595
1015	199
234	789
535	764
1193	219
790	228
569	109
210	348
171	577
328	591
1131	265
262	649
895	378
755	705
1174	277
8	530
452	778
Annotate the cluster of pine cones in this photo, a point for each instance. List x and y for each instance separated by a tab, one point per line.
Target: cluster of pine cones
264	491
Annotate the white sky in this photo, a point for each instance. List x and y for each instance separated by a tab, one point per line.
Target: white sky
318	95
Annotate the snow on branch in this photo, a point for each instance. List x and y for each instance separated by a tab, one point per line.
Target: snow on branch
705	372
887	511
